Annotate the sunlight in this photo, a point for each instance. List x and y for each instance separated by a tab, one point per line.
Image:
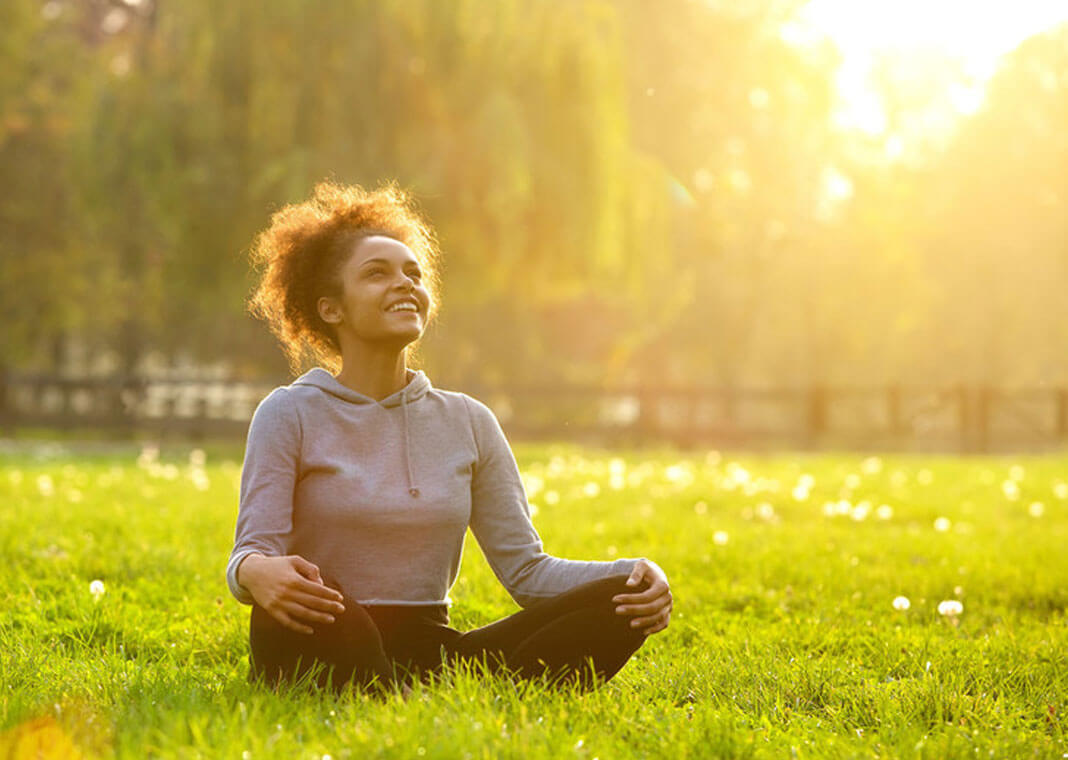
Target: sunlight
971	35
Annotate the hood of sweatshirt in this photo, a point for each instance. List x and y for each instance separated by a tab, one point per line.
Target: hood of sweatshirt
417	387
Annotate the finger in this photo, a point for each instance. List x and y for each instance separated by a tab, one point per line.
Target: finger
636	574
308	569
656	628
302	614
317	603
315	589
652	608
646	597
644	621
657	588
282	617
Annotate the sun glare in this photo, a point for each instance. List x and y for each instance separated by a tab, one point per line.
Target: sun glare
970	34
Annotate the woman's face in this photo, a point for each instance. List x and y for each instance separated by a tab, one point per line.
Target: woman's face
383	299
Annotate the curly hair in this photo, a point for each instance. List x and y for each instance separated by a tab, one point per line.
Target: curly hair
300	254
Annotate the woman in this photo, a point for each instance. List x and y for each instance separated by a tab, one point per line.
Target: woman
359	484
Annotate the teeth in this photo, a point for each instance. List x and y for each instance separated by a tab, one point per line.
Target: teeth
406	306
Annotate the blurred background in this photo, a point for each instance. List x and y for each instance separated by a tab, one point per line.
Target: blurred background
742	222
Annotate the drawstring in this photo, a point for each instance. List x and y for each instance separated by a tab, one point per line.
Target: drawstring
412	489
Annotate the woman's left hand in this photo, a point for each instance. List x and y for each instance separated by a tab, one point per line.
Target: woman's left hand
652	607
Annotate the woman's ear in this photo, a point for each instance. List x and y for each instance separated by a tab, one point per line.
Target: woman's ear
329	310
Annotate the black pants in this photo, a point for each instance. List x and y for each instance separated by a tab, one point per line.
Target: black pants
575	637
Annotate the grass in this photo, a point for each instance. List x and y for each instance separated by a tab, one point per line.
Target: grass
784	643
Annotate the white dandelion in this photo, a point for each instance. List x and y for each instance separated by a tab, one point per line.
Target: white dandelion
1037	509
720	538
96	588
884	512
901	603
950	608
942	524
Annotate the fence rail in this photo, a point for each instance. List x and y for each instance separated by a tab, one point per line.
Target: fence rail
963	418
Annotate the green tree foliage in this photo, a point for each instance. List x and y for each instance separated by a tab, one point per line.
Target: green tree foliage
623	189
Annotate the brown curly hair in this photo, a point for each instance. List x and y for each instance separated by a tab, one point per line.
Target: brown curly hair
300	255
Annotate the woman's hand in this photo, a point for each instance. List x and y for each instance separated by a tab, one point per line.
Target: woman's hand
651	607
290	589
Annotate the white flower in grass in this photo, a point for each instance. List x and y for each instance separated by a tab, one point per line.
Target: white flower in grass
1060	490
720	538
197	458
950	608
800	493
1016	472
852	480
552	497
96	588
871	466
861	510
901	603
45	485
884	512
591	489
942	524
1037	509
1011	490
765	511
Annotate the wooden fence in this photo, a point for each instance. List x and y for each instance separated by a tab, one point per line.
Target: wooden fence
961	418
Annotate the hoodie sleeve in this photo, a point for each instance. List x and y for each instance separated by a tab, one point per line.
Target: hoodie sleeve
268	477
500	520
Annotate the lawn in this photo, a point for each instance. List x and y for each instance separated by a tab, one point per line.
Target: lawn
789	638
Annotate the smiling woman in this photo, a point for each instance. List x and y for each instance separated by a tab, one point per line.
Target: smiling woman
360	482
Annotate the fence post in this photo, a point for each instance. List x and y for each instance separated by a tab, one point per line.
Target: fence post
1062	413
817	413
893	410
986	399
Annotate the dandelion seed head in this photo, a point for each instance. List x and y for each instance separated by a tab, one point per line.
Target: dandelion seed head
45	485
852	480
96	588
871	466
591	489
700	508
1037	509
806	481
950	608
1017	473
800	493
765	511
1011	490
1060	490
552	497
860	511
901	603
720	538
942	524
884	512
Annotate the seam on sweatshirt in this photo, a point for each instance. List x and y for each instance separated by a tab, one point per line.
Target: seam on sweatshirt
474	432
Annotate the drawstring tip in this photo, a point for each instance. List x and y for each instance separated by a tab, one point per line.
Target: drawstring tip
413	491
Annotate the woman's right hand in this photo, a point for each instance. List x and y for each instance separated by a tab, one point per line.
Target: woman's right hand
290	589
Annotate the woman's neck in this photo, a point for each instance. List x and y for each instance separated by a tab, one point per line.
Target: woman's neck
377	374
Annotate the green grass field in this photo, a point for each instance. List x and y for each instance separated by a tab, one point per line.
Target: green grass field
785	641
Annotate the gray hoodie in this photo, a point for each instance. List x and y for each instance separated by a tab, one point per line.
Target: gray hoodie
379	494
